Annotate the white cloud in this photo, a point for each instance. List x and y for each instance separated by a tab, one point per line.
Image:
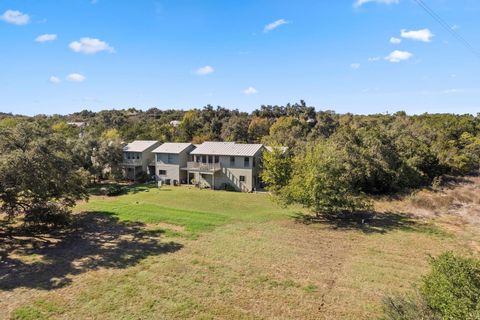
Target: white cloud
15	17
90	46
204	70
359	3
46	37
373	59
450	91
395	40
424	35
397	56
54	80
250	90
355	66
76	77
455	27
271	26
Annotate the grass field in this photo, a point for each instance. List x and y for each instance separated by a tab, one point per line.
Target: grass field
185	253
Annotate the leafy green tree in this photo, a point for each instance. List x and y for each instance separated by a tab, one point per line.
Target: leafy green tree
320	180
451	290
236	129
277	169
38	176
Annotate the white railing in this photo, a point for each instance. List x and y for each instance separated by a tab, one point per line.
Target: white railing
203	166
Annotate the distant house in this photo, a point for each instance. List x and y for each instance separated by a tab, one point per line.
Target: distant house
170	158
138	159
175	123
219	165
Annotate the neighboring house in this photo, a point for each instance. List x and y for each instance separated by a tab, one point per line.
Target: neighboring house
138	159
169	159
221	164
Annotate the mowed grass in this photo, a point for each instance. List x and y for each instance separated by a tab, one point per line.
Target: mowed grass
195	210
243	257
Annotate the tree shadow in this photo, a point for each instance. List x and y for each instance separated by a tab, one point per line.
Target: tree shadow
370	222
94	240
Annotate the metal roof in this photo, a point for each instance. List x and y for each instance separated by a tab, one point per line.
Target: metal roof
174	148
227	149
139	145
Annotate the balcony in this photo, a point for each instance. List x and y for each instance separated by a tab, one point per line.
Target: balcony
203	167
131	162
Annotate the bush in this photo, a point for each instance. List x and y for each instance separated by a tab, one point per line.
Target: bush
451	290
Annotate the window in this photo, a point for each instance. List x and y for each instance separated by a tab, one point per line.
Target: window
246	162
138	156
170	158
232	161
162	172
158	157
210	159
128	155
217	159
242	178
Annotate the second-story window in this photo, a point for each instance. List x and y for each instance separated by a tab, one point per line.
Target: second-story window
217	159
246	162
232	161
170	159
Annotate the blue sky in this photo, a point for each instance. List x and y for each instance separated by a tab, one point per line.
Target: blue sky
359	56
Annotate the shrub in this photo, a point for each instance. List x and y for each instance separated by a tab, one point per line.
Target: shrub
451	290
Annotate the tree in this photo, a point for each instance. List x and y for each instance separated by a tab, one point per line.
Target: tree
236	129
38	177
277	169
320	181
451	290
286	131
257	129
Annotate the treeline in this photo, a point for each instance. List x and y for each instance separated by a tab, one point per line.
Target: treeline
345	154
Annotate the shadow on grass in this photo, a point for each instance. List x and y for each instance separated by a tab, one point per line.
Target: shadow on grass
117	189
94	240
373	222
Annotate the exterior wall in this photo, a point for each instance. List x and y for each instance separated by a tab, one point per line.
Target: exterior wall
231	172
141	165
172	164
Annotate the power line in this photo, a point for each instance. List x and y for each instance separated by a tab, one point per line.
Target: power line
447	27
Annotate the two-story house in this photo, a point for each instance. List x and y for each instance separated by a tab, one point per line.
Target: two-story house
221	164
169	159
138	159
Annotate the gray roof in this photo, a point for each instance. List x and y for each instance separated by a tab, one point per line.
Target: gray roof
227	149
140	145
174	148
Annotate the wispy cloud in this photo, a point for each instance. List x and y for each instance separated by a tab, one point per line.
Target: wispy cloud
271	26
359	3
373	59
76	77
90	46
424	35
395	40
46	37
15	17
54	80
398	56
250	90
355	66
204	70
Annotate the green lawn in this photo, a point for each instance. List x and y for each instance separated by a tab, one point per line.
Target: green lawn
180	253
195	210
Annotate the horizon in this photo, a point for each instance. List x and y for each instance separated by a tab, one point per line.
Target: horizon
352	56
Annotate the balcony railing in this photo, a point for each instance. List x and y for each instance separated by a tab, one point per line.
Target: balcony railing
135	162
198	166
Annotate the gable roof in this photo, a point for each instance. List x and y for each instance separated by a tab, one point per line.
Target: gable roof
140	145
174	148
227	149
